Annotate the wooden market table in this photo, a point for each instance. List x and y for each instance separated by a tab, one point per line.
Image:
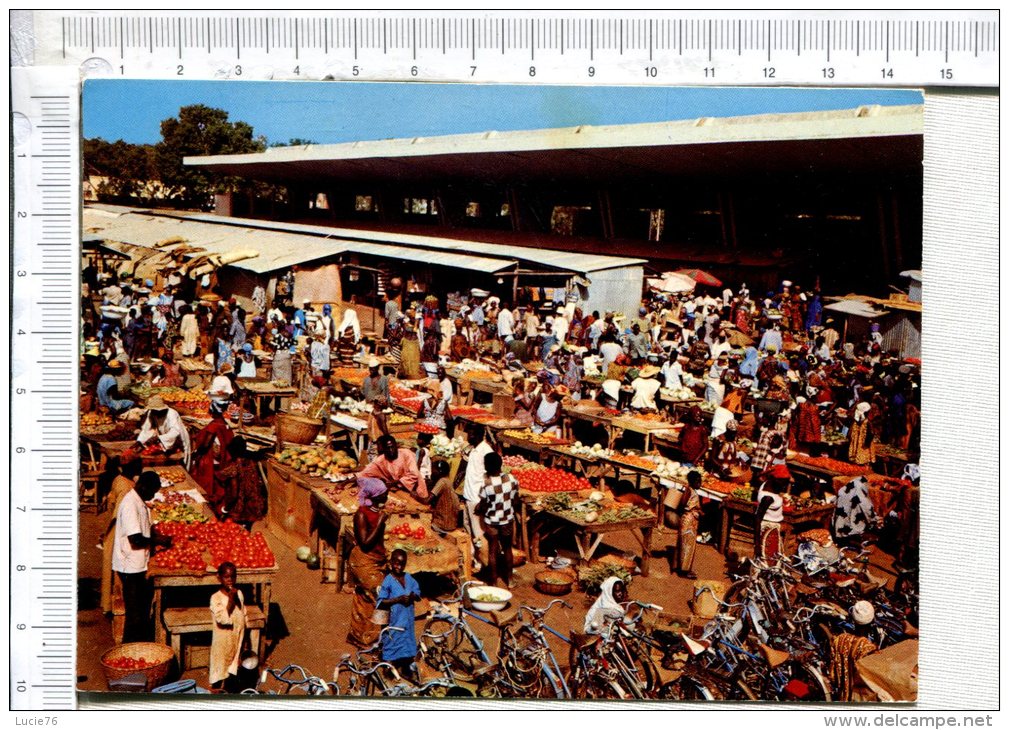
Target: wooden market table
338	513
794	523
525	445
639	425
198	368
99	450
589	467
259	390
594	416
261	580
822	475
588	536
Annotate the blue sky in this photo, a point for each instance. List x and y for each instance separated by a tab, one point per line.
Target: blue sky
341	112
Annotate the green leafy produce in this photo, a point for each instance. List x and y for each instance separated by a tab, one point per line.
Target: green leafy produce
592	577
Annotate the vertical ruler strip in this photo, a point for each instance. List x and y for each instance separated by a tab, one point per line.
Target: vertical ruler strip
44	352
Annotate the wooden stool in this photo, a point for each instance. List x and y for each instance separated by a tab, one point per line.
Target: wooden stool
180	621
89	498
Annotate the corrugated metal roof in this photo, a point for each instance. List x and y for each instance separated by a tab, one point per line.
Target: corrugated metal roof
277	249
581	263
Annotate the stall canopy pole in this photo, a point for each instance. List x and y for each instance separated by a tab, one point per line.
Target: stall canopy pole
515	286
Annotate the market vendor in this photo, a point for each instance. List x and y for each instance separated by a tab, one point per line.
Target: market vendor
725	456
645	386
375	386
547	410
396	466
131	553
367	559
163	426
693	437
222	387
853	512
107	390
246	362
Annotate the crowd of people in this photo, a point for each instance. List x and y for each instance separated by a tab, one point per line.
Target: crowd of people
730	348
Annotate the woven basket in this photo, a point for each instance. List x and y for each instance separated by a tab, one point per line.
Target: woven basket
297	429
160	654
553	589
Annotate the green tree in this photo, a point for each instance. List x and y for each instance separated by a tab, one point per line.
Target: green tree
198	131
124	170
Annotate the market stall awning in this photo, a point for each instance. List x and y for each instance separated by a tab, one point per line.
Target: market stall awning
856	308
275	249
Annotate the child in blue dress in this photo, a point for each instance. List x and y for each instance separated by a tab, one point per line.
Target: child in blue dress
397	595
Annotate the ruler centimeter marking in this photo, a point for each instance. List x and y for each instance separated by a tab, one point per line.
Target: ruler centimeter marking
43	478
847	48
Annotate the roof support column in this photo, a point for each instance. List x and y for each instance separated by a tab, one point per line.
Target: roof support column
605	213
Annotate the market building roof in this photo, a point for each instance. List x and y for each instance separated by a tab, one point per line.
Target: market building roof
867	139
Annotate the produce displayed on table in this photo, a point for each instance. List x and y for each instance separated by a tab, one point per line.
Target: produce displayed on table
825	462
514	461
352	375
318	461
668	469
94	421
528	434
192	401
641	462
712	484
407	398
549	480
173	474
421	427
678	393
172	497
474	413
182	512
596	451
597	508
399	419
206	546
443	446
405	530
350	405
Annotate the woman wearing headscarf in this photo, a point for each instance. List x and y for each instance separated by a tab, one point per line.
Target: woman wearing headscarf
367	559
237	329
750	365
244	491
410	357
771	511
609	605
861	435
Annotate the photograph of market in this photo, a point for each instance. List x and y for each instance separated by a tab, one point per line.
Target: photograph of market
426	391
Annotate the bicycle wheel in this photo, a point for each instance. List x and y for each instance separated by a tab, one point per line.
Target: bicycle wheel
445	643
686	689
817	687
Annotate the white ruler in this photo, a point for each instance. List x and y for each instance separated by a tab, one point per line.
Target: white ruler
45	312
895	48
711	48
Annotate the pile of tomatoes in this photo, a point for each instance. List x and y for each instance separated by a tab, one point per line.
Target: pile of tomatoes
550	480
125	662
426	428
224	541
406	531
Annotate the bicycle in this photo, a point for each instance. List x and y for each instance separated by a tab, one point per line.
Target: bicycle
616	663
295	680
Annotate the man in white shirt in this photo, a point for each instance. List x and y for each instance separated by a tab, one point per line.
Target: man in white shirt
672	371
318	354
610	350
506	324
560	326
130	554
473	482
645	386
164	424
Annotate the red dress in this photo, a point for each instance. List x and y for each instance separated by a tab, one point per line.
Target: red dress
808	424
211	443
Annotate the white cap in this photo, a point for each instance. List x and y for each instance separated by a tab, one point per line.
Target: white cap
863	613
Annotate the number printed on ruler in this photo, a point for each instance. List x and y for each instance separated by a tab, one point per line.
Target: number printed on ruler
44	389
690	47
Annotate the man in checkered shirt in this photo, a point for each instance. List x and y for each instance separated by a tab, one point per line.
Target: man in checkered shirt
497	504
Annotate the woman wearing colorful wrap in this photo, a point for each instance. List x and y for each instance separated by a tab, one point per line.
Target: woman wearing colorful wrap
367	559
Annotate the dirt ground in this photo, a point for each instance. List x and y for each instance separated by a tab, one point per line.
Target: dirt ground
312	618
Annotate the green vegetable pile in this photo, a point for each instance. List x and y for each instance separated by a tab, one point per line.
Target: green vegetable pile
592	577
416	549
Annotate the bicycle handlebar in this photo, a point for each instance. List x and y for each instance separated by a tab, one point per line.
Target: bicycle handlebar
541	612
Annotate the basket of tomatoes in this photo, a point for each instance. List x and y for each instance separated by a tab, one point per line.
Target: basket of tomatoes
143	657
